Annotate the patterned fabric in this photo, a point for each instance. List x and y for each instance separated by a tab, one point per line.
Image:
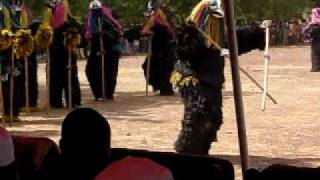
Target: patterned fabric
199	124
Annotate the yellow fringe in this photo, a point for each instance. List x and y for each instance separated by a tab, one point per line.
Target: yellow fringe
23	43
43	37
5	40
179	81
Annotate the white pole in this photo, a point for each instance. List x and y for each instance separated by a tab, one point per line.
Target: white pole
266	66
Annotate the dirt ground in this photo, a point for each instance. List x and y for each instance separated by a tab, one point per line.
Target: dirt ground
285	133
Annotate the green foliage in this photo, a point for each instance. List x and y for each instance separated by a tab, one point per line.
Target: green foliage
131	11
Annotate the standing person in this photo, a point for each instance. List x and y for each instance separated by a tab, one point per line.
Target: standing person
58	16
199	75
23	14
312	32
107	34
8	25
163	51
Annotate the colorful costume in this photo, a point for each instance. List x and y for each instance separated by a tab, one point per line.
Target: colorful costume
58	17
102	28
23	15
9	24
199	75
163	55
312	33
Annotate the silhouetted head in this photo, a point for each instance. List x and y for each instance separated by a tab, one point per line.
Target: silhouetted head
85	141
190	42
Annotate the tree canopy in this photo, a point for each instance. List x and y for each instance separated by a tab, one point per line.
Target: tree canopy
131	11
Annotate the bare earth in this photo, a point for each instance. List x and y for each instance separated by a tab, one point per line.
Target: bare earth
285	133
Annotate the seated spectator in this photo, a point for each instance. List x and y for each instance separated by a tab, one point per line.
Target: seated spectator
34	156
132	168
7	161
84	145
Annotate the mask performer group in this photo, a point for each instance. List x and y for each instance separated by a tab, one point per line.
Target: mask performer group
160	63
12	36
199	76
103	33
63	64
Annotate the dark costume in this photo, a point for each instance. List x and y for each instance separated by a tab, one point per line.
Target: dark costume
199	74
312	33
58	17
163	54
23	14
5	59
109	34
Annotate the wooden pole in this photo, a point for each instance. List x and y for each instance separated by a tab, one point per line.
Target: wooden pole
242	135
26	83
103	77
11	84
266	69
148	64
1	97
48	80
69	80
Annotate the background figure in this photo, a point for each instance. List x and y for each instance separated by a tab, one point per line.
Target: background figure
312	32
58	16
24	15
7	166
9	23
163	50
110	33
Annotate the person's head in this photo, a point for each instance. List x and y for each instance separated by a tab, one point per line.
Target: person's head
7	168
85	139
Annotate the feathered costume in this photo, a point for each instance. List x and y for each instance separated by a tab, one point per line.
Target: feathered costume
23	15
109	35
199	75
312	33
58	17
163	49
8	25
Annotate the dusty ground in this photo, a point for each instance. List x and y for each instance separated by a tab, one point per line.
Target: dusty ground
284	133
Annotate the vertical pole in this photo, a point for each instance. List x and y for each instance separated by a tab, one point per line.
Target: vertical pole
1	97
148	64
48	80
69	80
266	69
26	83
229	6
11	74
103	78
